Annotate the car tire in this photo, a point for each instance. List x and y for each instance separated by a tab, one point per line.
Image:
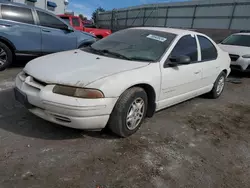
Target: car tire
6	56
129	112
219	86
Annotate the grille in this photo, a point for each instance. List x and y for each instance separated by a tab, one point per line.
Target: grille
62	119
236	67
234	57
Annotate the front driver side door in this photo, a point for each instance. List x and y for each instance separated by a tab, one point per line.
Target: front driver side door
181	82
54	38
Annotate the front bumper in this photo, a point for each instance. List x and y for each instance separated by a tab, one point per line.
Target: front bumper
67	111
242	65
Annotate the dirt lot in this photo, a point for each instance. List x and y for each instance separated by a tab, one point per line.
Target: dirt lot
200	143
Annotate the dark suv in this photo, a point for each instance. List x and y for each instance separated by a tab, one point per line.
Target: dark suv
30	31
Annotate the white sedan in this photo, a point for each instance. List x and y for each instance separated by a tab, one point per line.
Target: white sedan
238	47
120	80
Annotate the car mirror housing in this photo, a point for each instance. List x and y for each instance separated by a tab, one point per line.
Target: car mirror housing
174	61
70	29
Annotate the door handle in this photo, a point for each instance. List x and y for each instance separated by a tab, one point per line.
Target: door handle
45	30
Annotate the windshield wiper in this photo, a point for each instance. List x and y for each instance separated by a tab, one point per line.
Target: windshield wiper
115	54
95	50
103	52
141	59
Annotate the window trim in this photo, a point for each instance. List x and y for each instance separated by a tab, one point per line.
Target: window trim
193	62
217	54
39	22
32	13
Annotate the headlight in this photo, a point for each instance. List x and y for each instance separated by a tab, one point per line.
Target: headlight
246	56
78	92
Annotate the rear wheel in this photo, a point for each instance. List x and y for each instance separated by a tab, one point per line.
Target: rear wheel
218	86
129	112
6	56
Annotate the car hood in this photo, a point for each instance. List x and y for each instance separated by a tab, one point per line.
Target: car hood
237	50
77	68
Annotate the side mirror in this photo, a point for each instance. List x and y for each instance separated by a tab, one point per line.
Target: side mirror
67	28
180	60
70	29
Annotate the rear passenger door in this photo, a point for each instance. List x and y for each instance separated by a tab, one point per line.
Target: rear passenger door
18	26
55	37
210	64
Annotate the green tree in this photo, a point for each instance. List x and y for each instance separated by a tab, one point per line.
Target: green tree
100	9
82	17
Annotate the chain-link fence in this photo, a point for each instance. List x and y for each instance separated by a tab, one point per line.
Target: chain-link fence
215	14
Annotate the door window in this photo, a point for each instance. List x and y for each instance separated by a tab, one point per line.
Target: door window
18	14
208	51
75	22
186	46
47	20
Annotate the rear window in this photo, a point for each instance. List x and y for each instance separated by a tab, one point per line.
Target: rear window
208	51
76	22
18	14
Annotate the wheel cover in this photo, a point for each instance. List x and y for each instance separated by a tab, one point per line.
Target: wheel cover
3	57
135	113
220	85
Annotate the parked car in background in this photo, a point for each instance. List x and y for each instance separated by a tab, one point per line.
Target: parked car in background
99	33
238	47
121	79
30	31
74	21
77	23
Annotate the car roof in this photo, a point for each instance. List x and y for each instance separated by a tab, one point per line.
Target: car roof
6	2
169	30
241	34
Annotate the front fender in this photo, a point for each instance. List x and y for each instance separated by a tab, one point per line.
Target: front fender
115	85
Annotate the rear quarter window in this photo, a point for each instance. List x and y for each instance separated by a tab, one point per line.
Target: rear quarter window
208	50
18	14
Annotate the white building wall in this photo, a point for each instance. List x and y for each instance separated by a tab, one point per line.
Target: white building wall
60	9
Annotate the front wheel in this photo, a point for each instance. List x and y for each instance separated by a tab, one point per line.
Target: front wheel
6	56
218	86
129	112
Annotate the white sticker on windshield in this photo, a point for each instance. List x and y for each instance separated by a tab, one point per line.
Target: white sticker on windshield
155	37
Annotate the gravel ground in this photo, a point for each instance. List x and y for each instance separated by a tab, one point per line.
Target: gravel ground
199	143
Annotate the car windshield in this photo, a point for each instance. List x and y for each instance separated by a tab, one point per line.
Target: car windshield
66	19
135	44
237	40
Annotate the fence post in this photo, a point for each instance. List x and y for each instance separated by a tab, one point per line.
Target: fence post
193	18
144	15
166	18
126	21
112	21
232	16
